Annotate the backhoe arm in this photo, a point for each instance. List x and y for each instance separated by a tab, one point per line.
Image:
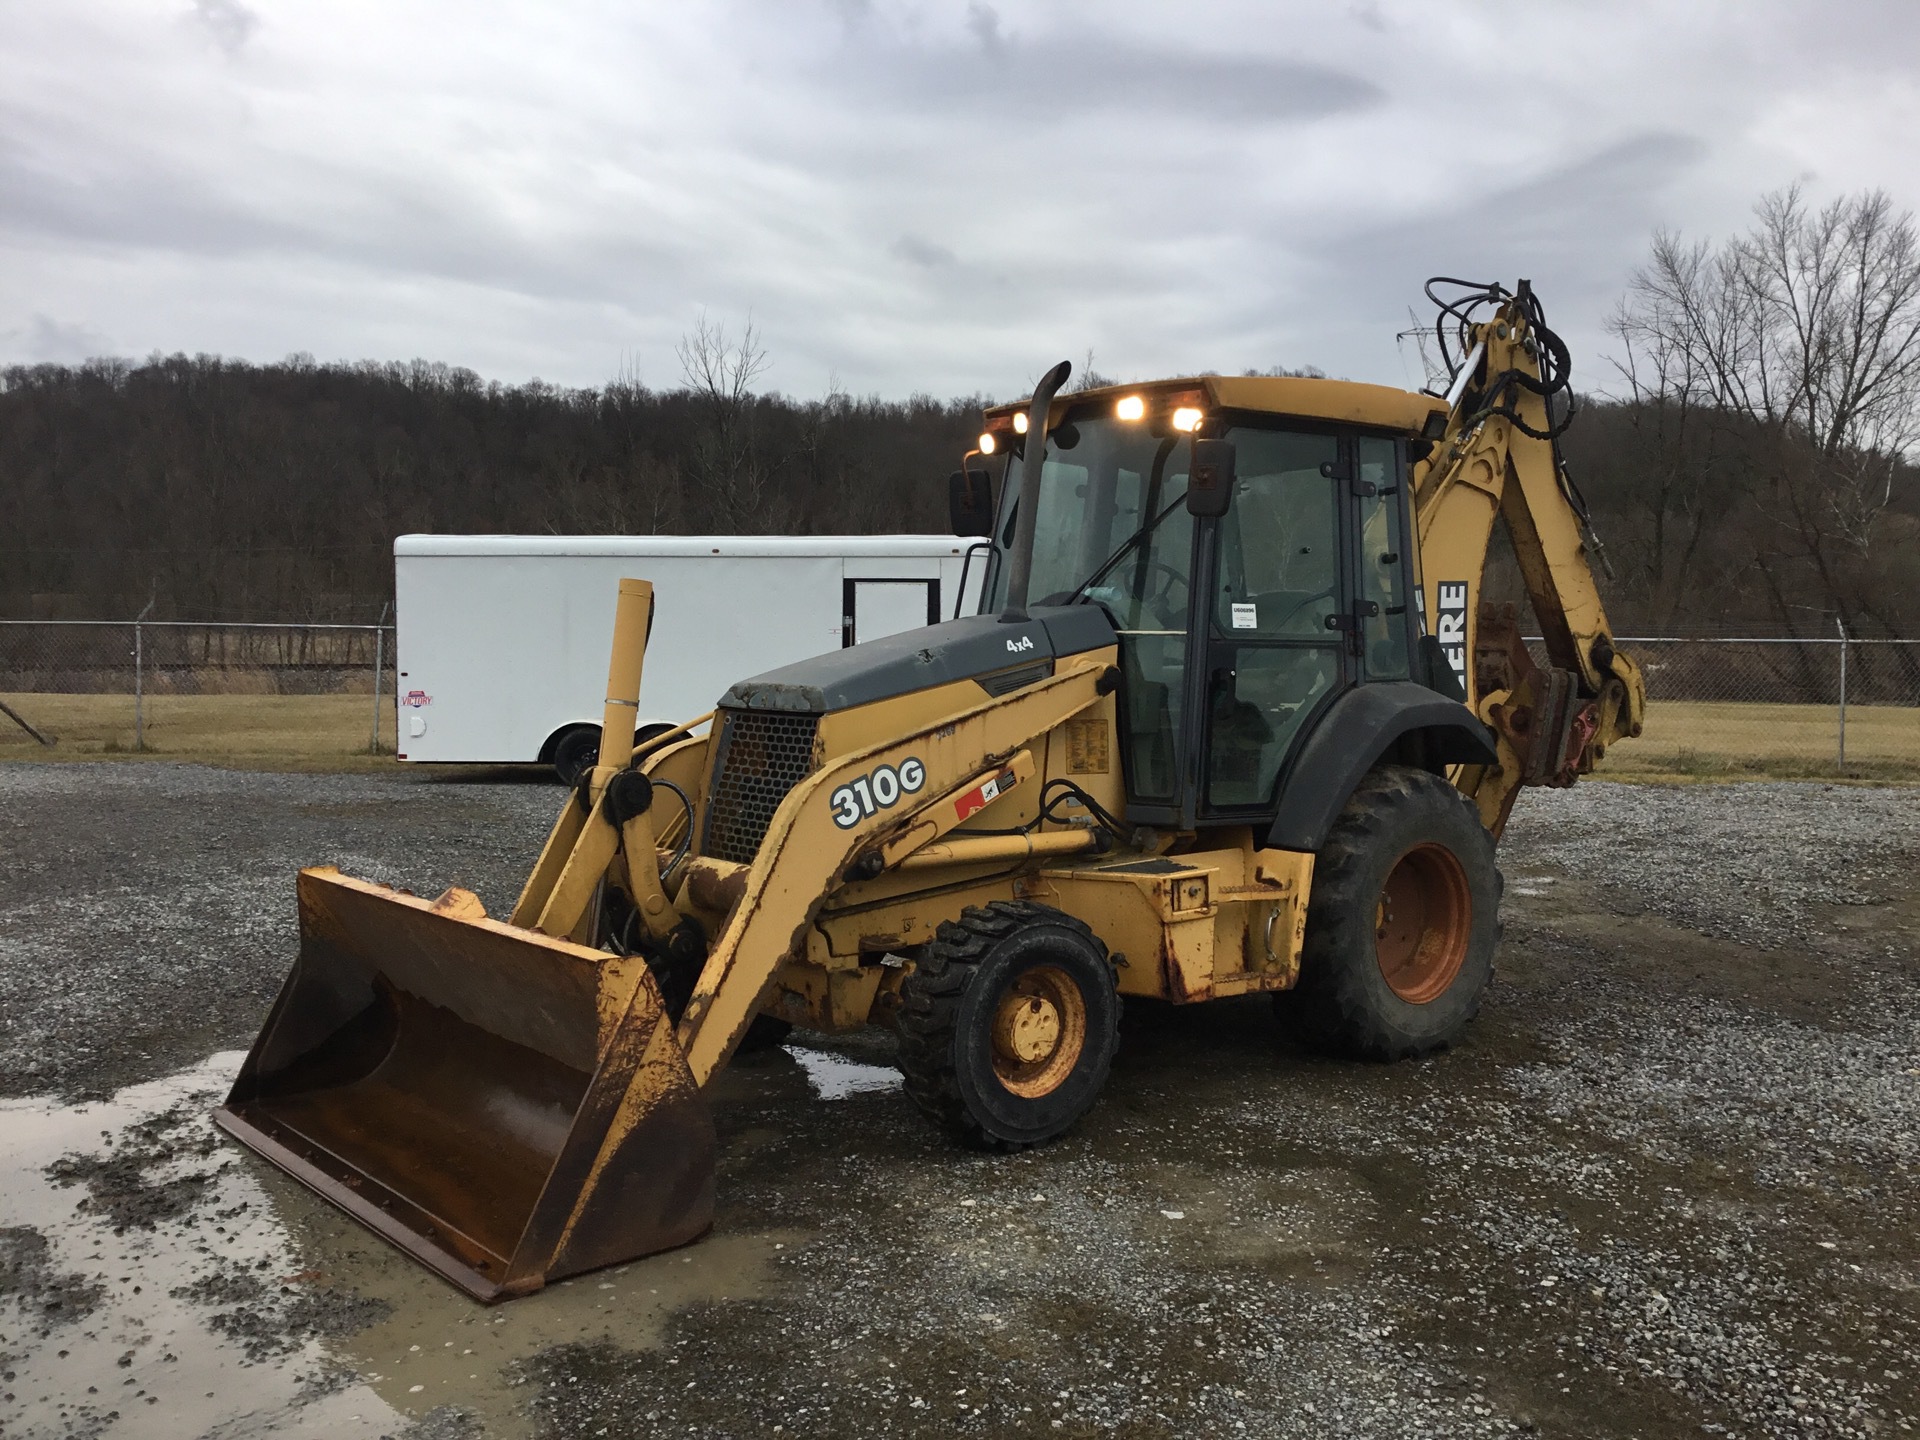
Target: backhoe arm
1499	459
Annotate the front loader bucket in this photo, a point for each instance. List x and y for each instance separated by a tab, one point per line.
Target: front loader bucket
505	1107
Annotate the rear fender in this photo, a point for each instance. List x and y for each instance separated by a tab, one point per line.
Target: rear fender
1389	720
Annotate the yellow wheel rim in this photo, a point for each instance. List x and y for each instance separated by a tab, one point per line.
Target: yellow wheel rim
1039	1031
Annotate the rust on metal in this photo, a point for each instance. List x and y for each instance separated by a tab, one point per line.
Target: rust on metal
715	885
506	1107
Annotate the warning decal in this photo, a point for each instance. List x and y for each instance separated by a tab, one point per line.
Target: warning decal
984	794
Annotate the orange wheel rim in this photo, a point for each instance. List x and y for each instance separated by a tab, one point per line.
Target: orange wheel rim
1039	1031
1423	921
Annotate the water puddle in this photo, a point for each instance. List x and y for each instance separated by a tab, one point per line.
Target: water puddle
157	1280
834	1077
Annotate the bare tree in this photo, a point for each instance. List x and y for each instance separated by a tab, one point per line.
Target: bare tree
720	373
1089	378
1798	342
1671	470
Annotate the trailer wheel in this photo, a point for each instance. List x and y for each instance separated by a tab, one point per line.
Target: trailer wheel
574	752
1008	1024
1401	923
646	734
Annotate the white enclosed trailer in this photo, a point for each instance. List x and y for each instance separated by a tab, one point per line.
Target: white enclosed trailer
502	640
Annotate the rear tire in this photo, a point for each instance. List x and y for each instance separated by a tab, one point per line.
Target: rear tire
1401	923
1008	1024
575	752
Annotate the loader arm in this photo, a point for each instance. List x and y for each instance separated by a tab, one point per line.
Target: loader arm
1499	459
806	853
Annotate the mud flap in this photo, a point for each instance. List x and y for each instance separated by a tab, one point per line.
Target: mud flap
505	1107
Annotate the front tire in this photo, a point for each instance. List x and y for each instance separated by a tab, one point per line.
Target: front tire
1401	923
1008	1024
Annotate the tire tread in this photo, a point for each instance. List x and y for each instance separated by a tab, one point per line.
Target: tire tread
1333	1006
929	1014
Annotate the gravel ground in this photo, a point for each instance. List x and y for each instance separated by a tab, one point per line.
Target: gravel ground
1667	1186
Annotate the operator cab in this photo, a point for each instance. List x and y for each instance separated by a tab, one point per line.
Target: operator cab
1239	629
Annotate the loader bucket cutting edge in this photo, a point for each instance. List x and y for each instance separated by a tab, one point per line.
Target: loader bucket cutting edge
505	1107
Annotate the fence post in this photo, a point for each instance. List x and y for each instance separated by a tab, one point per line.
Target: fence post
379	664
139	686
1841	626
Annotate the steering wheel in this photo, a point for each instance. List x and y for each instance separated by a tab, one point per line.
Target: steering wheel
1160	598
1287	619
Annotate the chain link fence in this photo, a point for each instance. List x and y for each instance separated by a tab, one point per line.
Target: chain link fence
302	693
310	694
1762	707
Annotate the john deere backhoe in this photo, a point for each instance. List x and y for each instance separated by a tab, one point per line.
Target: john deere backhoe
1230	721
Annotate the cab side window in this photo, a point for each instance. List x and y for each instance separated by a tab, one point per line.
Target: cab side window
1383	546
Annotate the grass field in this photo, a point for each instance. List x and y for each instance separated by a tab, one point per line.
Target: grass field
1736	740
1684	739
249	732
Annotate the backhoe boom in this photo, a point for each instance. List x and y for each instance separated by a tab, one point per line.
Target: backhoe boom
1499	459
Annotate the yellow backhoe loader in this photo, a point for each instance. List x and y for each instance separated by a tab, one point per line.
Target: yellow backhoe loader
1230	721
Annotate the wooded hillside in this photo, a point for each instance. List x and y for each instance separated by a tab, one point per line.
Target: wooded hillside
1749	473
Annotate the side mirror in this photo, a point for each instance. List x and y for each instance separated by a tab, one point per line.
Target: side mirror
1210	478
970	502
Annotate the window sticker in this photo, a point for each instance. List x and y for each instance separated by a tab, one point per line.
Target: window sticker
1246	617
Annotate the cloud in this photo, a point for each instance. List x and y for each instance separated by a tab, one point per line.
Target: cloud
227	22
915	251
63	342
983	22
1086	69
914	195
1575	226
1368	14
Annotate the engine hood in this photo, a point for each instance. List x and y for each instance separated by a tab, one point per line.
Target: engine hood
973	648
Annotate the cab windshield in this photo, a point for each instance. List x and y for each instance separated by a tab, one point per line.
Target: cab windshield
1102	482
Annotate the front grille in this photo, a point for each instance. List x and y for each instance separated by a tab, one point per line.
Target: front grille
763	755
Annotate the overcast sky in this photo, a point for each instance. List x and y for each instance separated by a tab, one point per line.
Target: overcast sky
940	196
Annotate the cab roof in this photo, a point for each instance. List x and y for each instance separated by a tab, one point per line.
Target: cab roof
1380	407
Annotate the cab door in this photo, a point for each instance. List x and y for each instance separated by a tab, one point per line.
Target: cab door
1273	638
1250	625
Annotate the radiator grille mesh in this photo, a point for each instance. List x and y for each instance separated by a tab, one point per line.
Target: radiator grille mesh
763	755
